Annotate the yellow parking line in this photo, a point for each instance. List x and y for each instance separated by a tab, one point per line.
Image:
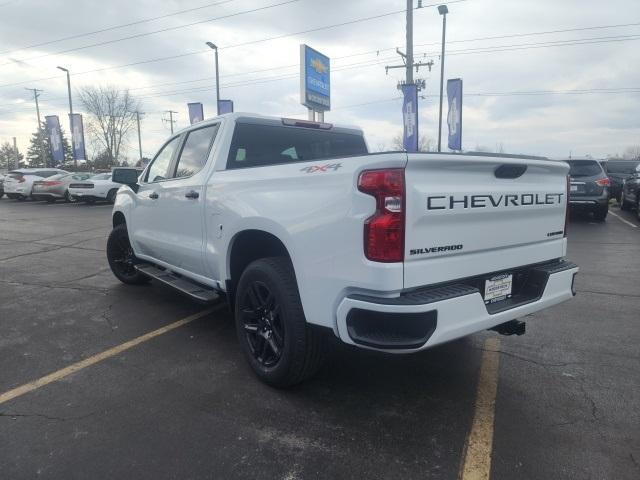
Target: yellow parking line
623	220
87	362
476	461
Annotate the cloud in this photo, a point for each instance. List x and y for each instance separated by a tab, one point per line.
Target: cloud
545	124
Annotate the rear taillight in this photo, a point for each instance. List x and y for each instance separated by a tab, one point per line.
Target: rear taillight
566	210
384	230
50	183
603	182
21	179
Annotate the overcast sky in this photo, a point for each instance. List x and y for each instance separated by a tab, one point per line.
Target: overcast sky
595	71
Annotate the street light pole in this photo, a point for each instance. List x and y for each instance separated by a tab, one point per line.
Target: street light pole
443	10
215	48
75	160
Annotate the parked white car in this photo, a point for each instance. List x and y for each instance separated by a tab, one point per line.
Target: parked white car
18	184
98	187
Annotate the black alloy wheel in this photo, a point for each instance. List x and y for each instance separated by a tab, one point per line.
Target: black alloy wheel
111	196
121	258
279	345
263	325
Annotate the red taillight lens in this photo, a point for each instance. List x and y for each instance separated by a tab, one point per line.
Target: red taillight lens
566	211
21	179
603	182
384	230
51	183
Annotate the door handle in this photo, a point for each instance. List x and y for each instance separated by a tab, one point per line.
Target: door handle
154	195
192	194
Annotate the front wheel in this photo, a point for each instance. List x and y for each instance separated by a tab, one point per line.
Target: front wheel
111	196
121	257
274	336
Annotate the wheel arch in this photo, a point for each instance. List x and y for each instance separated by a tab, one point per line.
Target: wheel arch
247	246
118	219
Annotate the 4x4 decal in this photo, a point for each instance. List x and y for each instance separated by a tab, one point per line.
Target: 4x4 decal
321	168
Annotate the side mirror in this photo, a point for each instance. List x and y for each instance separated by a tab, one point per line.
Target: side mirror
126	176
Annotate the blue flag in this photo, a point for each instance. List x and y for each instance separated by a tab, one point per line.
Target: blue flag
55	138
454	117
77	134
225	106
410	117
196	112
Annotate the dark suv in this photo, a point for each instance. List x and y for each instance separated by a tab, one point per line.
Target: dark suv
630	196
589	189
618	171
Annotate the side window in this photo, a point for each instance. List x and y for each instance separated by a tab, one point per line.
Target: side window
160	165
195	151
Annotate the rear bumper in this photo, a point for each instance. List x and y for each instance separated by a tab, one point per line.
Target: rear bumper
423	318
601	201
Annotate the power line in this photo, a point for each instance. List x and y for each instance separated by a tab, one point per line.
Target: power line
167	29
116	27
199	52
364	64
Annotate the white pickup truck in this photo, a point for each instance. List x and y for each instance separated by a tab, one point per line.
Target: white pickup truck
308	235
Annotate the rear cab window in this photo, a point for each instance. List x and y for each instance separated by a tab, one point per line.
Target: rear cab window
584	168
259	145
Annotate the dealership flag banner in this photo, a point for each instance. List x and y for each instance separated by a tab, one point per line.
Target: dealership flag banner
77	128
410	117
454	117
196	112
225	106
55	138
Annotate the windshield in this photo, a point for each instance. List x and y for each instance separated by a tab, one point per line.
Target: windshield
584	168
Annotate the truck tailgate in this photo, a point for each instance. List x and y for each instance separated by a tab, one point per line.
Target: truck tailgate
471	215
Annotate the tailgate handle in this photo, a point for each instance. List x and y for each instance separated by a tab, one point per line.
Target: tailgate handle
510	171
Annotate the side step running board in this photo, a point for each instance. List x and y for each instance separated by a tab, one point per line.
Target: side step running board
186	286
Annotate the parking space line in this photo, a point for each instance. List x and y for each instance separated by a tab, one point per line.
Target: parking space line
623	220
476	460
87	362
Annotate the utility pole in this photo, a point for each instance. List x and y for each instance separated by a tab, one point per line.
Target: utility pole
171	120
16	158
139	137
36	94
408	58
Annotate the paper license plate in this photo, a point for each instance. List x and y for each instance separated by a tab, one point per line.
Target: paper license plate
498	288
574	188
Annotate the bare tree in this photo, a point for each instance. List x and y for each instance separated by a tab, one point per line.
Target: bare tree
112	116
632	153
424	144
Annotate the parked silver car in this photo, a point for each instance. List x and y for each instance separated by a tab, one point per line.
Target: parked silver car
56	187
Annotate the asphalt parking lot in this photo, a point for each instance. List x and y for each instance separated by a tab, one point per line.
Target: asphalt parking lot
559	402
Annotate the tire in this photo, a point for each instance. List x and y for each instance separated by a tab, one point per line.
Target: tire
67	197
623	203
51	200
281	348
21	198
600	213
121	257
111	196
